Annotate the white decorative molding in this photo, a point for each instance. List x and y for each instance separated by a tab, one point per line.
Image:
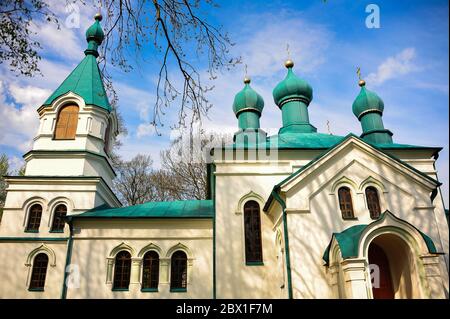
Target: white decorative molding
371	181
247	197
43	248
122	246
343	181
297	211
150	247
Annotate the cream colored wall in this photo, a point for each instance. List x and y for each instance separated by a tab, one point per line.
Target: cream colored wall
95	240
79	196
15	274
234	278
313	212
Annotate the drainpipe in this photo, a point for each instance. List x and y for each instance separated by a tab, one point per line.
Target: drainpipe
68	257
286	240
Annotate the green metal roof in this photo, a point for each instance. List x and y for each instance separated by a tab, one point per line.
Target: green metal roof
173	209
86	81
316	141
348	240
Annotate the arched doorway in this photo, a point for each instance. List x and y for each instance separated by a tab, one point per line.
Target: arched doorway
381	286
397	268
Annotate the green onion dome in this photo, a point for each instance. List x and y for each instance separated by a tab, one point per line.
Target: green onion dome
292	88
95	31
247	100
367	102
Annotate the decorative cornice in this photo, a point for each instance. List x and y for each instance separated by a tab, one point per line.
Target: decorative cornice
369	111
294	99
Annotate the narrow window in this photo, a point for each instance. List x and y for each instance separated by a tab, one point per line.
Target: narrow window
58	218
345	203
66	124
150	271
39	272
108	138
373	202
122	271
178	271
34	218
252	229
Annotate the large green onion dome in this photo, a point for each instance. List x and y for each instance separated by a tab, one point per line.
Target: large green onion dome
292	87
247	100
367	102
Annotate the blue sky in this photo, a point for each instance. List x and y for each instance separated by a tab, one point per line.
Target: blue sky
405	61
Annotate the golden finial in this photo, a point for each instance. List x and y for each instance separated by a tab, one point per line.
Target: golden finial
361	82
98	16
246	77
289	63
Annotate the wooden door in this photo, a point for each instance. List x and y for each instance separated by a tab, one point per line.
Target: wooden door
378	257
66	124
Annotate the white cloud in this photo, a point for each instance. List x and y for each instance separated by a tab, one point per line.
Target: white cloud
145	129
22	119
266	50
393	67
63	41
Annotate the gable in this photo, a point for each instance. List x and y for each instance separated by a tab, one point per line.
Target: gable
353	149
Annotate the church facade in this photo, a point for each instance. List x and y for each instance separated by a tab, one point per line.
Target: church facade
300	214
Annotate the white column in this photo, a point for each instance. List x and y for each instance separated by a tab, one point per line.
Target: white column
355	278
433	276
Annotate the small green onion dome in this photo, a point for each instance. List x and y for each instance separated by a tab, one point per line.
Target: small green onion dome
95	31
248	100
292	87
367	102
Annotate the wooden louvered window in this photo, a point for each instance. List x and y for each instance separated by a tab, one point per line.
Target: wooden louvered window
122	271
58	218
150	271
252	230
345	203
66	123
373	202
178	271
39	272
34	218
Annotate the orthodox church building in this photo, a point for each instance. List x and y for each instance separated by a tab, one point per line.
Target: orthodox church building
300	214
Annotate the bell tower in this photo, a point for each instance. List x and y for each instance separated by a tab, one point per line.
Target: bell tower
77	123
69	168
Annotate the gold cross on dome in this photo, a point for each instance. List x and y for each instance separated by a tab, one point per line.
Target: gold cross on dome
288	51
358	71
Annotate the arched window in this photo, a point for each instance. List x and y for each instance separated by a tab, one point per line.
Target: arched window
150	271
373	202
178	271
252	229
58	218
39	272
345	203
122	270
66	123
34	218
